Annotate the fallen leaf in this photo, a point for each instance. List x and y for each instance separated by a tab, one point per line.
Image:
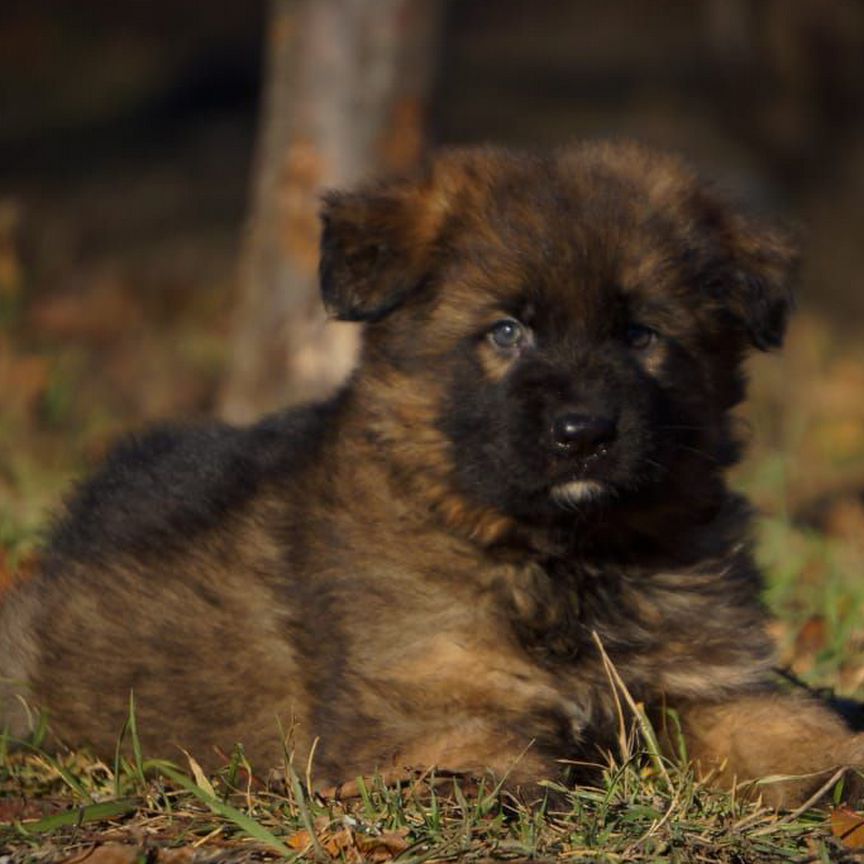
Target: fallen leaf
300	840
339	842
848	827
346	845
385	846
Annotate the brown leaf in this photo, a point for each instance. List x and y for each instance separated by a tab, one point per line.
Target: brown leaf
848	827
341	841
345	845
300	840
383	847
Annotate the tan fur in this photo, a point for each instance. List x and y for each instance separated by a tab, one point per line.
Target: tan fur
792	743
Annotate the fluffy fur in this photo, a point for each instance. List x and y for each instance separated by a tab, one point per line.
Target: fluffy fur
531	452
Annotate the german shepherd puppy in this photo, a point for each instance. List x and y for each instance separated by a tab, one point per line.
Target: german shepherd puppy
527	464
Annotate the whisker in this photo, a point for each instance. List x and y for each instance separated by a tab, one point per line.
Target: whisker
697	452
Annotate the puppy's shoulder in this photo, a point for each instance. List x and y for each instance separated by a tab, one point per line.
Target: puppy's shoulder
163	487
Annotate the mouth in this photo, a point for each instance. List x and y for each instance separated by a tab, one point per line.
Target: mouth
573	493
580	484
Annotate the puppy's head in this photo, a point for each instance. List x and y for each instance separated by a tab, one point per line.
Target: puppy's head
553	334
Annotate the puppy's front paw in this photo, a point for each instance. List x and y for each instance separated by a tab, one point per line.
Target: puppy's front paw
788	750
843	771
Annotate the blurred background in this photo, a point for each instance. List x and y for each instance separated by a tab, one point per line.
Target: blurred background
160	164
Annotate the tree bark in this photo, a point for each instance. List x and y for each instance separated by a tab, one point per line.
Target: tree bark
346	85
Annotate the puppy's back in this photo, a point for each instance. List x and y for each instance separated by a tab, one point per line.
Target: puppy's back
159	579
174	483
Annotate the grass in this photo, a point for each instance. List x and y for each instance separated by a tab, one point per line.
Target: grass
636	814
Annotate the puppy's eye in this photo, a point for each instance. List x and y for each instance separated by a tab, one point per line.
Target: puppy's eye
641	338
508	333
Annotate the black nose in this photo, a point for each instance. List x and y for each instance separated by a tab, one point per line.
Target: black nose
582	433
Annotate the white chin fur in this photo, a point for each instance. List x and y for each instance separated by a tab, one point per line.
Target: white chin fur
570	495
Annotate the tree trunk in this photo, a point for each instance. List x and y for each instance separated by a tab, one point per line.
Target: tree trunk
345	93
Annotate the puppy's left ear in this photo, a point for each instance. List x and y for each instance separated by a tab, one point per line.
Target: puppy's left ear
376	246
758	268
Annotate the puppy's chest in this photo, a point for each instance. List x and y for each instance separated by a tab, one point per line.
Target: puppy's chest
558	609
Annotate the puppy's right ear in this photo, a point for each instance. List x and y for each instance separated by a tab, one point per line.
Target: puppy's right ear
376	249
755	268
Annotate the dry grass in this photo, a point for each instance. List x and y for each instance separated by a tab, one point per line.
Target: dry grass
71	807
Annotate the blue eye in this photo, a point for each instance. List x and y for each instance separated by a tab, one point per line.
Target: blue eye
641	338
507	333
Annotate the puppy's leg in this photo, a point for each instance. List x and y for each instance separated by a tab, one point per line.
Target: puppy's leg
760	736
485	749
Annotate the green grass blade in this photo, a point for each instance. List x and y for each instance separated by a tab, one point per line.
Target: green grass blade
78	816
136	741
245	823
